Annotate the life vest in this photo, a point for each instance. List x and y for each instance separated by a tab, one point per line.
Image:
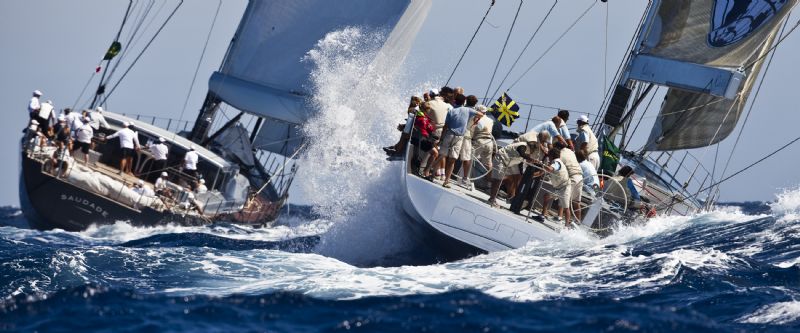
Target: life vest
509	154
438	112
559	178
45	110
571	162
591	143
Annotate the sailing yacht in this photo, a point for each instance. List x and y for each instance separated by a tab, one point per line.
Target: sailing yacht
247	162
707	54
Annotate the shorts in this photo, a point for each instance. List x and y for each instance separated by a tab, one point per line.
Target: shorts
128	152
451	145
576	189
83	146
564	194
466	149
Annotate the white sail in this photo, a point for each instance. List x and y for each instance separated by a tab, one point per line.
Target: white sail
709	53
264	74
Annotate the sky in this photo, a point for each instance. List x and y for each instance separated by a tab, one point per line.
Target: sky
54	46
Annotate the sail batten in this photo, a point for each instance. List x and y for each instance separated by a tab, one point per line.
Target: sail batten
719	43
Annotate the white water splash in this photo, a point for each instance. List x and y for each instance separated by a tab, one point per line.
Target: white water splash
775	314
345	175
787	205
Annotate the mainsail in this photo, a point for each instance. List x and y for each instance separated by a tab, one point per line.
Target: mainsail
263	73
709	53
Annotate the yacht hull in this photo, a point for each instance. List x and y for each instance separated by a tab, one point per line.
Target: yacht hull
51	203
462	226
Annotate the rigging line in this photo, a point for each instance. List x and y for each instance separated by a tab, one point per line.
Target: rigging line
132	44
773	47
470	42
687	109
499	85
749	166
199	62
503	51
116	39
553	44
752	103
620	67
653	96
143	14
143	50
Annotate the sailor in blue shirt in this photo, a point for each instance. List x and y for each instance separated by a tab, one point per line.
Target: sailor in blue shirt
455	126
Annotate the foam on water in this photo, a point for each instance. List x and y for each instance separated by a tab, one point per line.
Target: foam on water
775	314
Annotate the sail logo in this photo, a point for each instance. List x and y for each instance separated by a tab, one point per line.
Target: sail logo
734	20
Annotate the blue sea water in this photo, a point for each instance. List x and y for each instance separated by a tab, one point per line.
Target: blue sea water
734	269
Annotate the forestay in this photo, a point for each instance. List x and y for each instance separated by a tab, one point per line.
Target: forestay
721	35
263	73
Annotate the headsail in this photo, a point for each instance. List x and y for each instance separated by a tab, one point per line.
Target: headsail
263	73
709	52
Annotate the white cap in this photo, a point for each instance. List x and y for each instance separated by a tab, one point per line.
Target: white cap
34	122
202	181
140	182
164	174
37	93
161	139
481	108
191	147
62	118
584	118
99	109
433	91
191	195
126	124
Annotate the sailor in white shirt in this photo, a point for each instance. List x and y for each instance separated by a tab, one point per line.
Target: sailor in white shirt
45	115
201	187
160	152
83	141
129	142
190	162
97	119
142	189
162	185
73	120
34	105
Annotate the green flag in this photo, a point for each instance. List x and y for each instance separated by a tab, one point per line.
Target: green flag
609	157
113	50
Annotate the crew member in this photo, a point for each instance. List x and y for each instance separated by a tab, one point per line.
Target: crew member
45	114
587	141
160	152
98	120
564	130
201	186
129	143
622	190
190	162
575	186
508	157
455	127
83	139
33	105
